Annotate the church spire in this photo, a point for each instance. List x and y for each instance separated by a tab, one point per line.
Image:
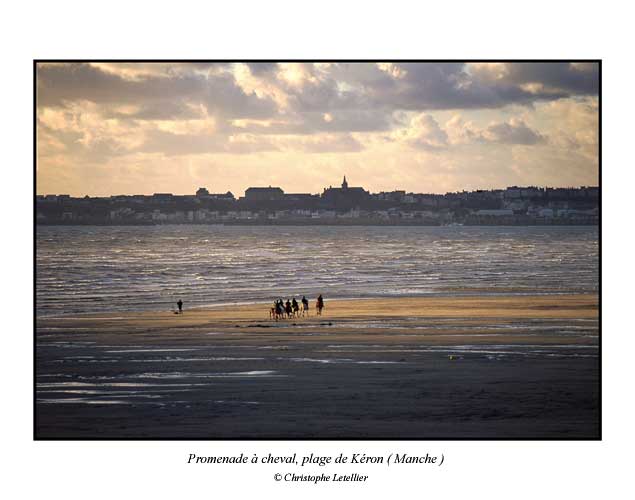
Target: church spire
344	184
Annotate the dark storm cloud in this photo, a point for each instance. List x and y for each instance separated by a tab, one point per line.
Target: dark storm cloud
71	82
512	132
328	100
580	79
262	68
424	132
439	86
320	90
419	86
219	93
448	86
359	96
158	110
355	120
443	86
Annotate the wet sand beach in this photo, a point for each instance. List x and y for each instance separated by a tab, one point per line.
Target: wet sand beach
507	366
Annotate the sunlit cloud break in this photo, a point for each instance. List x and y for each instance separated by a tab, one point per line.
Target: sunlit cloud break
140	128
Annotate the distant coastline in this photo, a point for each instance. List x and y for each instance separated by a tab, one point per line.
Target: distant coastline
347	206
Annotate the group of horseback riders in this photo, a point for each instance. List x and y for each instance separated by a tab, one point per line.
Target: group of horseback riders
291	309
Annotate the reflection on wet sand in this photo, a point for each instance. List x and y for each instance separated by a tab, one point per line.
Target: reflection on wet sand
415	368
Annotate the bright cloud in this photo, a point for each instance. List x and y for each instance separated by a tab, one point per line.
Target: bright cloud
128	127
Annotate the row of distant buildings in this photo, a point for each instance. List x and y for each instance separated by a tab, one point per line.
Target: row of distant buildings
335	205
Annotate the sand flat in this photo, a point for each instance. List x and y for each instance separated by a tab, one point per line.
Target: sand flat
511	366
527	306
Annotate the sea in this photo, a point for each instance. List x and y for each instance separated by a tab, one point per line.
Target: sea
89	269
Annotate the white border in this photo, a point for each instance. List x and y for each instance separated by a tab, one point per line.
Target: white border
330	29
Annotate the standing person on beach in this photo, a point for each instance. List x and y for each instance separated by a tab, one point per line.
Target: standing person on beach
320	305
180	306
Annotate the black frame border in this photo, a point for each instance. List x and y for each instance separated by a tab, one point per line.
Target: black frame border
356	439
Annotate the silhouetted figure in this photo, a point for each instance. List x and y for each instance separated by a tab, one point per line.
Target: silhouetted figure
180	306
319	305
295	306
305	306
288	308
272	311
279	309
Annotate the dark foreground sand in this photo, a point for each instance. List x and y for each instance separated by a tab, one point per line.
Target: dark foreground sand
424	368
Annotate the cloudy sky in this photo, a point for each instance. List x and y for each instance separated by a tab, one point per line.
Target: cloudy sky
140	128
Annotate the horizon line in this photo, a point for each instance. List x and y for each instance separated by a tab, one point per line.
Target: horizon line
329	187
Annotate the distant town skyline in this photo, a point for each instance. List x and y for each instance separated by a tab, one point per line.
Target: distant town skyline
239	194
335	205
142	128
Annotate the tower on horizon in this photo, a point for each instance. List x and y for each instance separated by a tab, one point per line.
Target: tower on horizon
344	184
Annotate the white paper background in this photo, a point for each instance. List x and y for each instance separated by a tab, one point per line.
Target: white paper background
333	29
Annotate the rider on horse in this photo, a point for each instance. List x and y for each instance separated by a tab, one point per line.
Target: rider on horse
295	306
305	305
288	309
320	304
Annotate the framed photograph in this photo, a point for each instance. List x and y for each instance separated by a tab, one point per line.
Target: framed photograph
317	250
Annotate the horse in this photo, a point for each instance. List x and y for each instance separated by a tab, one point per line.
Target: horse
291	310
319	305
273	314
277	311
